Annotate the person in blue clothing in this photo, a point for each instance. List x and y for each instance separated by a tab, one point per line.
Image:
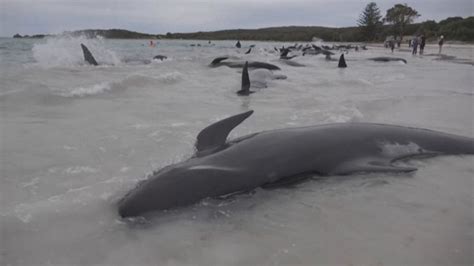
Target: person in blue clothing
415	43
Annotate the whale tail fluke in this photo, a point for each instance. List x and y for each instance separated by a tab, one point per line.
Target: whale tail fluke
88	57
342	62
245	89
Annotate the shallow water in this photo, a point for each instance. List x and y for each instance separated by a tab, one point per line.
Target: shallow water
74	138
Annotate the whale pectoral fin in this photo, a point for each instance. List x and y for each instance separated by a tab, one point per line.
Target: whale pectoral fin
216	134
370	166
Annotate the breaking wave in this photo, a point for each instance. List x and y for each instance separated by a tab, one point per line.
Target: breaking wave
66	51
86	91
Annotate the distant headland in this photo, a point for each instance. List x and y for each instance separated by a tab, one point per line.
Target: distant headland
453	28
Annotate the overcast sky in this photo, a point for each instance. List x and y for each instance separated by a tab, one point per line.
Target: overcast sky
161	16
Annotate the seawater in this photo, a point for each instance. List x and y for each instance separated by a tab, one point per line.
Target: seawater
75	138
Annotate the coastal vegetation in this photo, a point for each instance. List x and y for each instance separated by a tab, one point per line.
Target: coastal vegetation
370	22
372	27
453	29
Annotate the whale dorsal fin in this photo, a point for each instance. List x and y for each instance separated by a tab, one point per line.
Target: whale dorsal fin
245	89
88	55
342	62
245	78
216	134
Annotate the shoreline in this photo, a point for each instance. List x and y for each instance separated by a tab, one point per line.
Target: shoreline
376	44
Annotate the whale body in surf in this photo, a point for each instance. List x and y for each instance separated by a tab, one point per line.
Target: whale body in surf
283	156
223	61
388	59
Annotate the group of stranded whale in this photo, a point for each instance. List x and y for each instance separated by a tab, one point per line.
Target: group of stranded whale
280	157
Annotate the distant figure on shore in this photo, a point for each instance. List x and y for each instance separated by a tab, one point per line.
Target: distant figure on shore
422	44
238	45
440	43
152	44
415	43
392	45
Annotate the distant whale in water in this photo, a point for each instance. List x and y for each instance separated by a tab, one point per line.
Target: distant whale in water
221	61
387	59
88	57
160	57
280	157
342	62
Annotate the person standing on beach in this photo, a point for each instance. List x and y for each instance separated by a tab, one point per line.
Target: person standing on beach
415	45
440	43
422	44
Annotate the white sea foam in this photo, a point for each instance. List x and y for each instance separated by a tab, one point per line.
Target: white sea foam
86	90
80	169
65	51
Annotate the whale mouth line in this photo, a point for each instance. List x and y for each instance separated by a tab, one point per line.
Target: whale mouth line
211	167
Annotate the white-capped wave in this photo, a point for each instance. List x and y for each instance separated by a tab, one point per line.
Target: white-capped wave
66	51
86	90
171	77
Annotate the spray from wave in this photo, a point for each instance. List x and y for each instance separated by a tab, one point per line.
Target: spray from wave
65	51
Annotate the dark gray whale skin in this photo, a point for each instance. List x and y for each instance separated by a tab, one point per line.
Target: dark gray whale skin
282	156
221	61
387	59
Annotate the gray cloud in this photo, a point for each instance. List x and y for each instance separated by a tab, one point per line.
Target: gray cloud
161	16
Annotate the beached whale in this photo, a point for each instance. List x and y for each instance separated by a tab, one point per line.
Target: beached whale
222	61
387	59
283	156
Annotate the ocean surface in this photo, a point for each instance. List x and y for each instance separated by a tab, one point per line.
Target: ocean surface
75	138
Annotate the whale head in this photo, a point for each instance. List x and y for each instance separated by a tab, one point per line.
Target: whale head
175	186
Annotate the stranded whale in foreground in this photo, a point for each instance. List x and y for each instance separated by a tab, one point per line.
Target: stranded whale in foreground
283	156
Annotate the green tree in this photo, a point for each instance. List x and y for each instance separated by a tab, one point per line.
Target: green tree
370	21
400	16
